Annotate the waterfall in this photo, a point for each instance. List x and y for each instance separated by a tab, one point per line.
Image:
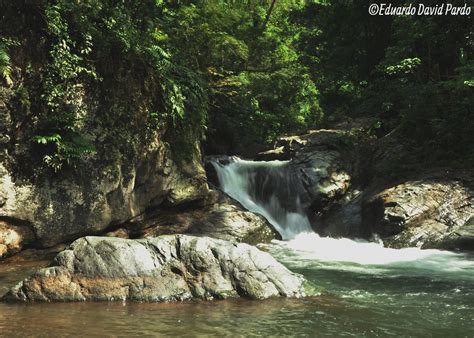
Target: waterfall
268	189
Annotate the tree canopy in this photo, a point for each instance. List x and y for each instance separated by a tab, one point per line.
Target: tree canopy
235	73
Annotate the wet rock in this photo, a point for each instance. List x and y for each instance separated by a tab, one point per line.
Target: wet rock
279	153
13	238
222	218
462	238
318	166
166	268
120	233
342	219
424	213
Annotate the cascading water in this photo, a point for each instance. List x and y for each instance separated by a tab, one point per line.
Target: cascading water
265	188
268	188
374	288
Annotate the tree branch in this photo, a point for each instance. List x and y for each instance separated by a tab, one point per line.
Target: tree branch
267	18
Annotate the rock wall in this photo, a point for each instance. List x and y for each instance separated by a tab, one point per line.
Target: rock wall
365	187
104	190
64	208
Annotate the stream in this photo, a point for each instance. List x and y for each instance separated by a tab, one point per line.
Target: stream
366	289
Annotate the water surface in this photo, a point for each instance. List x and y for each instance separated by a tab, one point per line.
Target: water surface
397	298
365	289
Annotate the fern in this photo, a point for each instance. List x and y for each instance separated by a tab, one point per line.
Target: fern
5	65
67	150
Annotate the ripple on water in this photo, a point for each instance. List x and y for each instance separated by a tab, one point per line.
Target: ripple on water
360	299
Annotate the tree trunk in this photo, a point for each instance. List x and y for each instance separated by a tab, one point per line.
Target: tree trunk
267	18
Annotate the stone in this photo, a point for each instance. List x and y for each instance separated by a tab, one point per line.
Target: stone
462	238
64	207
222	218
424	213
342	219
317	166
120	233
166	268
13	238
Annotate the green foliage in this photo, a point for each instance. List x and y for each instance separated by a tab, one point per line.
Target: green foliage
404	67
64	151
257	87
106	77
413	73
98	80
5	64
62	87
54	138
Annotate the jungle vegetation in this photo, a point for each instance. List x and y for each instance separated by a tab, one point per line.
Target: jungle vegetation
230	73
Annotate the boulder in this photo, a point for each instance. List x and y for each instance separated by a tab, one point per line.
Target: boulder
424	213
222	218
166	268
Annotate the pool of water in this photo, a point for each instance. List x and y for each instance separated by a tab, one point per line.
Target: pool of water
369	292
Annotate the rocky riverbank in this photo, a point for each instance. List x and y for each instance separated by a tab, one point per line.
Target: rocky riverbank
356	186
337	178
344	182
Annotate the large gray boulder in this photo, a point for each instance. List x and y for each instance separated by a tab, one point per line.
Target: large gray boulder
166	268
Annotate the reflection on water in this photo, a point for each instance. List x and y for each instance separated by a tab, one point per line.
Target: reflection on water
394	301
325	315
11	272
176	319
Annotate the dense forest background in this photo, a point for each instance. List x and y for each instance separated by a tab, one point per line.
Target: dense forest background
233	74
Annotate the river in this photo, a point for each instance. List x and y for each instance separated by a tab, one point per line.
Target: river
364	288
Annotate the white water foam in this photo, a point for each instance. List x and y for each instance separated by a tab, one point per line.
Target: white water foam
356	251
237	180
312	251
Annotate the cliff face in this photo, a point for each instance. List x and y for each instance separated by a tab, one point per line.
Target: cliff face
97	122
101	191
